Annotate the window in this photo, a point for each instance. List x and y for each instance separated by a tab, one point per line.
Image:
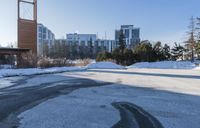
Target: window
126	33
40	29
44	36
82	43
135	33
44	30
40	35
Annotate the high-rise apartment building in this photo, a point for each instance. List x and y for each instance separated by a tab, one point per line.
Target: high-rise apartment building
45	39
131	34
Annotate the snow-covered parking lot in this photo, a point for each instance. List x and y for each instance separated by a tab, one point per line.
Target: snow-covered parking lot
85	98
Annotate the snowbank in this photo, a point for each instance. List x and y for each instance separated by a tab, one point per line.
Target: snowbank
165	65
197	68
36	71
104	65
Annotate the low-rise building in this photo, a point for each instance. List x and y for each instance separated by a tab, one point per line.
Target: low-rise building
105	45
82	39
85	39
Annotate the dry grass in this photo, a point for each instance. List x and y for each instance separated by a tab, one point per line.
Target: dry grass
46	63
83	62
30	60
27	60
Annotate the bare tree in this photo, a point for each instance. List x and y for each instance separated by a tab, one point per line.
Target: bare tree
191	42
198	37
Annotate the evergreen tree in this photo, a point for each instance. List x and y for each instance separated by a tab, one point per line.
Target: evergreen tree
122	42
177	51
144	52
90	48
116	55
129	58
166	52
197	47
158	46
158	51
198	50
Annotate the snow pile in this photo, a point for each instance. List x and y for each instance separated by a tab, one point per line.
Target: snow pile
104	65
197	68
81	61
165	65
36	71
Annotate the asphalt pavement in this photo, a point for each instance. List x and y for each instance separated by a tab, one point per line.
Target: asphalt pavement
14	101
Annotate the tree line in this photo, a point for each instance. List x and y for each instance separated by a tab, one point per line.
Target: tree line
143	51
146	51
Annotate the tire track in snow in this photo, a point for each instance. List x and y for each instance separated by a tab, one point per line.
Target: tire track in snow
133	116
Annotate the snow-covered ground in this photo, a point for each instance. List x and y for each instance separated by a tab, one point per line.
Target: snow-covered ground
197	68
172	96
7	82
6	66
165	65
99	65
36	71
45	80
76	110
104	65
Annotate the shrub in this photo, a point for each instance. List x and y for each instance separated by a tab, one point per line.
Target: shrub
103	56
46	63
27	60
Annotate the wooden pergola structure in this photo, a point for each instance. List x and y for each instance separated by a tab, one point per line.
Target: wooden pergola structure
27	27
13	51
27	31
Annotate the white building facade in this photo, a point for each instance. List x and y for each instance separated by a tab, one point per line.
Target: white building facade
131	34
84	39
81	39
106	45
45	38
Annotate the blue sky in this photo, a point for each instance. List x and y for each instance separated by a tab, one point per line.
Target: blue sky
163	20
